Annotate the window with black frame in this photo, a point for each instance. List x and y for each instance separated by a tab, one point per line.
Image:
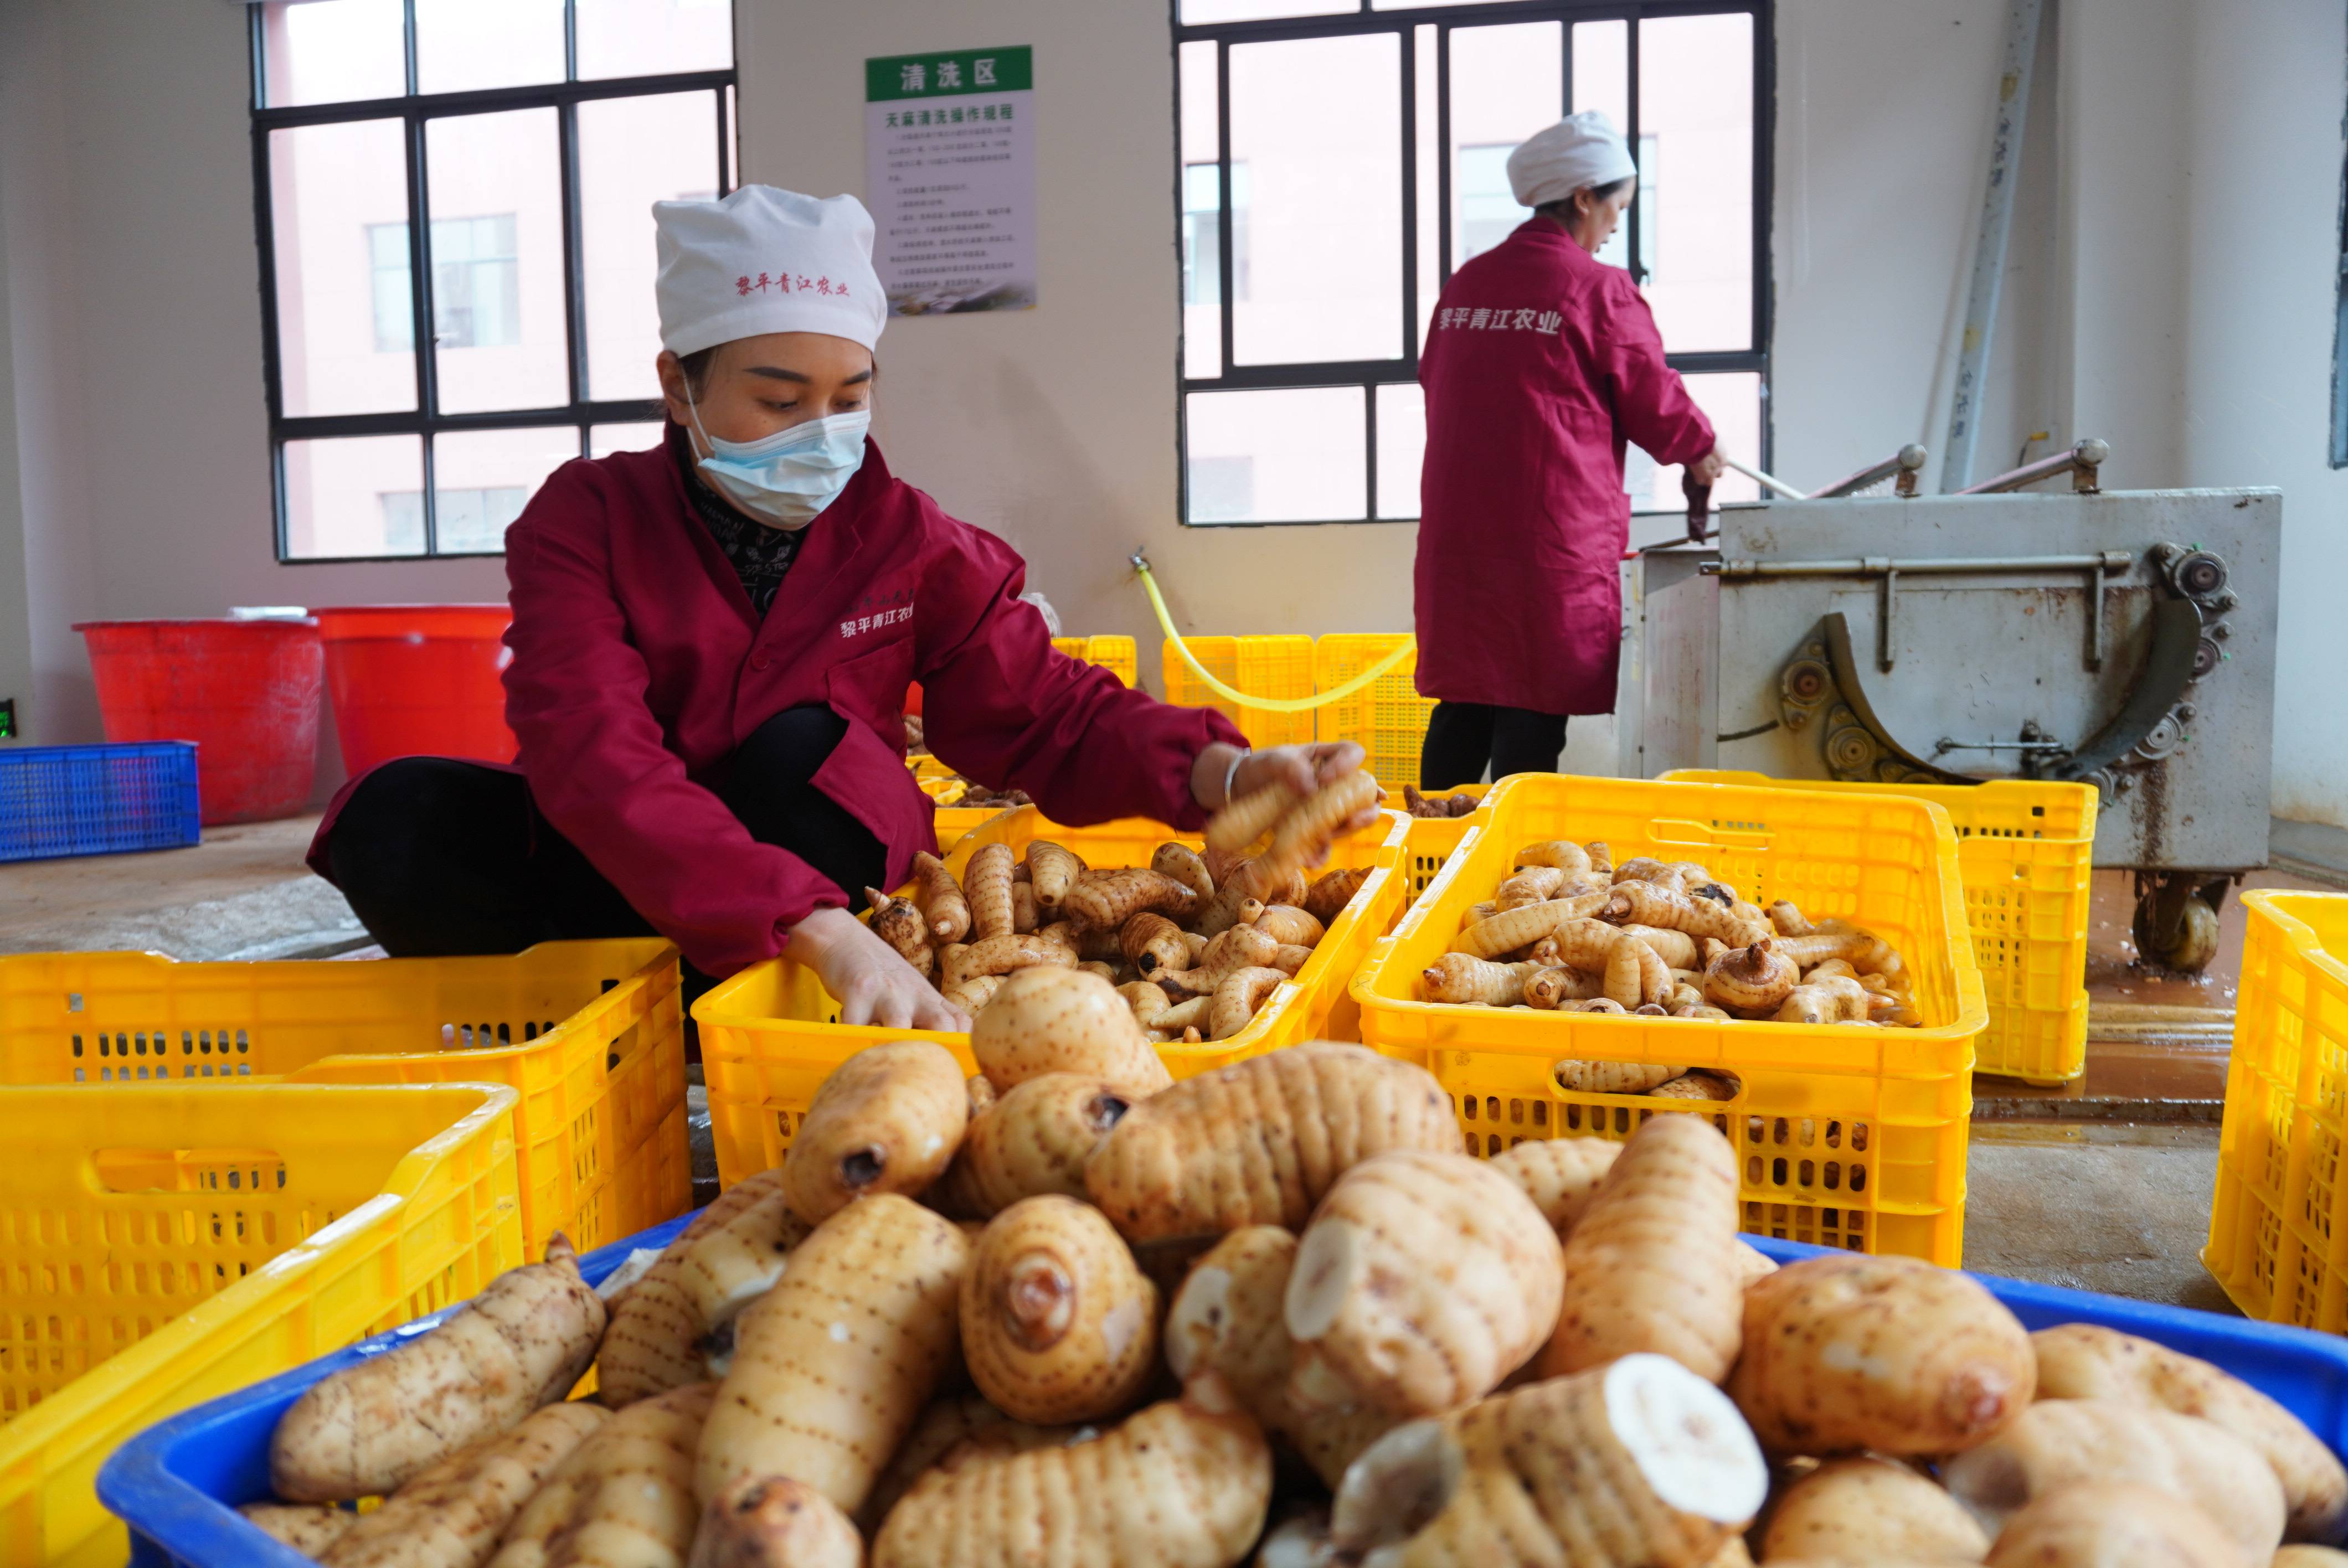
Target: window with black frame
1340	157
454	205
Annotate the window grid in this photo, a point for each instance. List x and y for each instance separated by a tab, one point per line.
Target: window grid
415	110
1368	375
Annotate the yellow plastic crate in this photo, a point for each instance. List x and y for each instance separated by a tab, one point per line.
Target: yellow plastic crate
1846	1137
950	821
1388	716
2278	1229
769	1036
163	1248
1279	667
1117	655
590	1033
1433	838
2027	850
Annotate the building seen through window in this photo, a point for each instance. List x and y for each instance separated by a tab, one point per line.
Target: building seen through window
489	168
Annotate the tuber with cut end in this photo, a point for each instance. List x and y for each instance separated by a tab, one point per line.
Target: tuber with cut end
1846	1352
1057	1021
2084	1361
1228	1316
942	902
1260	1141
1424	1279
520	1344
888	1120
1634	1463
1150	942
1651	1265
831	1366
1057	1323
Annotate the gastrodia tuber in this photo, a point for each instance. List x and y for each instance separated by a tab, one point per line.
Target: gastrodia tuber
451	1514
1057	1323
1057	1022
888	1120
727	1258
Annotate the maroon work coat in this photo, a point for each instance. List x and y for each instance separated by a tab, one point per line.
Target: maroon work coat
1541	361
639	667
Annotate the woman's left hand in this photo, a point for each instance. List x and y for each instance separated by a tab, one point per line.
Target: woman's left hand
1302	768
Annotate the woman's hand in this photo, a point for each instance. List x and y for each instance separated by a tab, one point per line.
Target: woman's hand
872	982
1302	768
1706	469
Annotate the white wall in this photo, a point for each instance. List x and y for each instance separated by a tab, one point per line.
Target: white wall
2168	288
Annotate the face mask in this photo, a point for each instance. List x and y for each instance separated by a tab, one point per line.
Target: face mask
785	479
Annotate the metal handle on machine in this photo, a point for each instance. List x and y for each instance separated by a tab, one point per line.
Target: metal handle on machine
2084	462
1906	465
2097	566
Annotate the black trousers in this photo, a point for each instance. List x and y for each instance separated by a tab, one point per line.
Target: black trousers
1463	737
440	857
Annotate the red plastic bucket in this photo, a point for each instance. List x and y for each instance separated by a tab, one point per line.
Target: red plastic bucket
245	692
418	680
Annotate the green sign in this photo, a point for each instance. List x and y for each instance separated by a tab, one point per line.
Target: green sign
956	74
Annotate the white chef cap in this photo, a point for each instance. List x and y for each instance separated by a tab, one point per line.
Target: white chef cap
765	260
1577	151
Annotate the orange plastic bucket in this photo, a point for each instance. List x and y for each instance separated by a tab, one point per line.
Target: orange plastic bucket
418	680
245	692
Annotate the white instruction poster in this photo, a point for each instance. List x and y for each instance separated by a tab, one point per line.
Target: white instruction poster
950	160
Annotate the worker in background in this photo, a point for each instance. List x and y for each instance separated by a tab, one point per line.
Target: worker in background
1541	363
712	642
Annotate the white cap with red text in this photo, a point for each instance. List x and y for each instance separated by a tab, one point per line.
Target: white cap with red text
765	260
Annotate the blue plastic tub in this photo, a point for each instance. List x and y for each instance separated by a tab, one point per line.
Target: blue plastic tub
177	1484
56	801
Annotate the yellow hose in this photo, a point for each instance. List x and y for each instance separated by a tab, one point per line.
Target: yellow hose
1266	704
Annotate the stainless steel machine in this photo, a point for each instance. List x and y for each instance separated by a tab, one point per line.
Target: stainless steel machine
2121	637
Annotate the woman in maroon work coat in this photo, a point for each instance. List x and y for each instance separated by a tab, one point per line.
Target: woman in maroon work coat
712	642
1541	362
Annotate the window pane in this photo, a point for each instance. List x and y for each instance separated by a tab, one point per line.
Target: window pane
1202	221
1732	401
461	44
332	51
1695	120
498	332
1316	199
1286	457
1197	11
1602	70
1401	446
481	478
354	498
338	220
648	38
602	440
1505	84
1427	141
633	153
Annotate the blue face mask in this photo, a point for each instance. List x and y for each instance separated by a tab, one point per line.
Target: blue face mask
785	479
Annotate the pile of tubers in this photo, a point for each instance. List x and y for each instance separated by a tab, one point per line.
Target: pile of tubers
1568	930
1438	806
1270	1314
1194	943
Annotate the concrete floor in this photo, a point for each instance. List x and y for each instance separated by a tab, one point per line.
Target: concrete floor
2104	1186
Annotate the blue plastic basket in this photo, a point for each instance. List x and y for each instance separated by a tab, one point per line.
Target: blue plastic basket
56	801
178	1483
